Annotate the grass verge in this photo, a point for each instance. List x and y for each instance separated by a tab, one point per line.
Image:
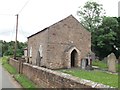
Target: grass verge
23	80
96	76
7	66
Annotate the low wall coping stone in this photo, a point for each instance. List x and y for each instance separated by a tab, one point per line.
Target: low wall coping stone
14	59
73	78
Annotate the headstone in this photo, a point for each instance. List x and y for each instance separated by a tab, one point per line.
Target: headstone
105	60
111	61
86	63
83	63
92	56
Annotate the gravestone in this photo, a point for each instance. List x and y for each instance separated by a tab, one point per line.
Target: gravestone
86	63
111	61
83	63
105	60
92	55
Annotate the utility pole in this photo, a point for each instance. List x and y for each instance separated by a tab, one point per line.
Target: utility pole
16	37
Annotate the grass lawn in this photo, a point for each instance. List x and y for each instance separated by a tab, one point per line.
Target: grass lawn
100	64
24	81
103	65
96	76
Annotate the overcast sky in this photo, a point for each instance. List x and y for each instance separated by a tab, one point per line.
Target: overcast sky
38	14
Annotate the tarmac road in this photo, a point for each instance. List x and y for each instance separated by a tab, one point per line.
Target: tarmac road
6	80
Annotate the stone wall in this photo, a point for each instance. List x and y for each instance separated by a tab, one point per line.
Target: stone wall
46	78
61	37
35	42
14	63
56	40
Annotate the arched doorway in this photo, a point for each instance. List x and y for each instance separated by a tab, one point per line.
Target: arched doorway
74	58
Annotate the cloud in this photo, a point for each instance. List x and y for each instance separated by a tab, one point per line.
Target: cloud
39	14
119	9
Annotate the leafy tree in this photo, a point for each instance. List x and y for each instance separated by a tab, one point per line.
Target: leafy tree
91	15
8	48
0	48
117	41
105	30
105	37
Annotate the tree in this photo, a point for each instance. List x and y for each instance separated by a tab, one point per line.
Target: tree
117	41
91	15
105	37
0	48
8	48
105	30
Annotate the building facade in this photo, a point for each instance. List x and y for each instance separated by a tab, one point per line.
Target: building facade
61	45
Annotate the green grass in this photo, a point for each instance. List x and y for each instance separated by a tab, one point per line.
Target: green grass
100	64
96	76
103	65
7	66
4	60
24	81
118	67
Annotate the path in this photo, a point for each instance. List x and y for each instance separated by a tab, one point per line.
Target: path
6	80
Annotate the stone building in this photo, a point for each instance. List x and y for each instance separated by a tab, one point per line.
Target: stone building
61	45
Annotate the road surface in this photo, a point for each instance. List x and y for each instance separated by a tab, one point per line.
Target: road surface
6	80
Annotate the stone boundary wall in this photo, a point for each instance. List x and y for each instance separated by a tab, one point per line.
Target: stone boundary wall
14	63
47	78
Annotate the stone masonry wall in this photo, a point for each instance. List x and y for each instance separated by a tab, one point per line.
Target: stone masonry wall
56	39
63	35
46	78
35	43
14	63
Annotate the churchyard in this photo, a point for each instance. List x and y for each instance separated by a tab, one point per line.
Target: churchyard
103	65
101	71
95	75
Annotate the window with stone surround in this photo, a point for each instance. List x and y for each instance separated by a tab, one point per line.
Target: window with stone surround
40	51
30	51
